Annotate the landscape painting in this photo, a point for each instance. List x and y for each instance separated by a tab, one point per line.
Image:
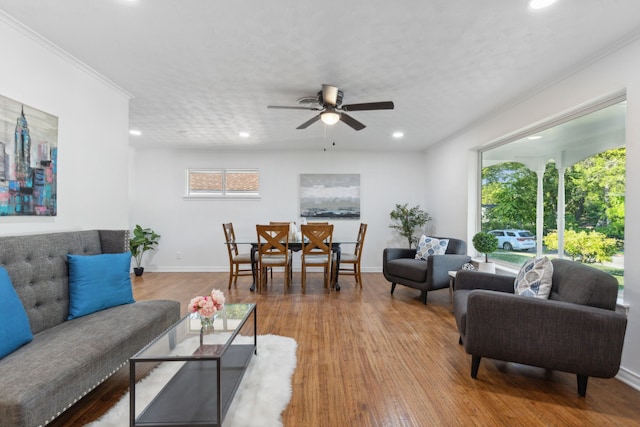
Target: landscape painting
28	160
330	196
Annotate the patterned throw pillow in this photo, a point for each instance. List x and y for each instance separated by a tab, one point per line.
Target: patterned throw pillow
431	246
468	266
534	278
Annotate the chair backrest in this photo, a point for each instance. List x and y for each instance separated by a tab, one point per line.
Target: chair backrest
316	239
455	246
360	240
581	284
230	238
273	240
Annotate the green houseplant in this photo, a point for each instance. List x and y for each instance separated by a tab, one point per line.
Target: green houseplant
485	243
407	219
143	240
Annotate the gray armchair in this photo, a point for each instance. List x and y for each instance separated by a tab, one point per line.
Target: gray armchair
576	330
400	266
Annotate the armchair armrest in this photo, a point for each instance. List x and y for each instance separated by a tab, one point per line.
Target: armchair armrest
394	253
546	333
470	280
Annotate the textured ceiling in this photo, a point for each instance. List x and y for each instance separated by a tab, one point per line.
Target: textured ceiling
201	71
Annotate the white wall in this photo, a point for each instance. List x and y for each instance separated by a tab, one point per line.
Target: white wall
616	72
194	227
93	120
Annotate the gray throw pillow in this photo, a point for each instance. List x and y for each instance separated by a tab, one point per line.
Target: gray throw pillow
534	278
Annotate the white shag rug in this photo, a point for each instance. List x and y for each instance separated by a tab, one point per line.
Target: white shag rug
263	394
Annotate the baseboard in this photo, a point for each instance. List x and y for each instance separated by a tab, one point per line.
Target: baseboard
629	378
224	269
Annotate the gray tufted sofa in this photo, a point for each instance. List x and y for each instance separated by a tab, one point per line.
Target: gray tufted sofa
67	358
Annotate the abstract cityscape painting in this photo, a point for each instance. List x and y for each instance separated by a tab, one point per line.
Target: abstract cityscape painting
330	196
28	160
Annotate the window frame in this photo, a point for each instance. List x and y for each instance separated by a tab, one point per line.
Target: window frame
581	111
224	192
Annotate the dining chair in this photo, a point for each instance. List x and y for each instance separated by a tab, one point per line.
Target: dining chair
273	251
236	259
316	249
350	262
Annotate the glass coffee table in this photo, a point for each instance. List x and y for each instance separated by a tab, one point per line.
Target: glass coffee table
200	372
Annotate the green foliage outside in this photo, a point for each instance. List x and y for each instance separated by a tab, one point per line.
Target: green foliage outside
407	220
587	247
594	195
594	207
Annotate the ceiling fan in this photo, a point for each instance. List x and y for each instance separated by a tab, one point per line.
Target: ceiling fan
329	103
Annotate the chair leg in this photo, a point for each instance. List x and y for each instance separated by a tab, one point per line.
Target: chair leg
475	364
230	275
393	287
423	296
582	385
303	275
358	275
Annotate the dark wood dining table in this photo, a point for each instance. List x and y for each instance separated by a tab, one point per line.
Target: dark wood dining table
295	246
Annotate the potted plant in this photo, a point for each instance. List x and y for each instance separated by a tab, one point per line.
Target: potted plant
407	220
485	243
144	239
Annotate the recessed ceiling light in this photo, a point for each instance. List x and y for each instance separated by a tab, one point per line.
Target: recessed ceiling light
244	134
398	134
135	132
535	137
540	4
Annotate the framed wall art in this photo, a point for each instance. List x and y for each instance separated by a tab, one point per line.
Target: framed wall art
28	160
330	196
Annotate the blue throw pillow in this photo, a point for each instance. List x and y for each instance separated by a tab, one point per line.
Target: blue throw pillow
97	282
15	330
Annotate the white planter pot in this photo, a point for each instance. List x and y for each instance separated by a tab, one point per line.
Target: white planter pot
487	267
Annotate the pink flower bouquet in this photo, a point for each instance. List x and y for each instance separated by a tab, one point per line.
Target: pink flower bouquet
208	305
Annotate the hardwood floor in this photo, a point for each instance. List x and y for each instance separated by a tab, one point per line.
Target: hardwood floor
366	358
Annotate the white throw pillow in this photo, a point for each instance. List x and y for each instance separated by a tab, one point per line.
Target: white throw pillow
431	246
534	278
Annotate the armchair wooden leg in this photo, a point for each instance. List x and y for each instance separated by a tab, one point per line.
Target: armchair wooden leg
582	385
393	288
475	364
423	296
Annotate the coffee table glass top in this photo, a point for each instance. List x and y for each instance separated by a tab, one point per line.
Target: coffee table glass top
182	340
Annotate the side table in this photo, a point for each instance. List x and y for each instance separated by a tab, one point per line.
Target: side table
452	278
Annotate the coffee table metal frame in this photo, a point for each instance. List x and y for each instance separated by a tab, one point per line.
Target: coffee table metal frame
201	391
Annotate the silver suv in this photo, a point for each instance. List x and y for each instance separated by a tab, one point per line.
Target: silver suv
521	240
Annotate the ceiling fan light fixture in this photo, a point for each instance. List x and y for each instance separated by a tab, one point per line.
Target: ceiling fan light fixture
329	117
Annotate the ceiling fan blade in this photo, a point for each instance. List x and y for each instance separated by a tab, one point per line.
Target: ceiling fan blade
309	122
351	121
282	107
329	94
386	105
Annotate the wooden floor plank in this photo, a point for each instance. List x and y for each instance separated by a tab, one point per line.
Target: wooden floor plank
367	358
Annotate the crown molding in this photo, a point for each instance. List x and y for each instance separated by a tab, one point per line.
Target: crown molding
57	50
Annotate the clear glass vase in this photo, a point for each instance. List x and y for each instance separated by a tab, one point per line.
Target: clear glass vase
206	327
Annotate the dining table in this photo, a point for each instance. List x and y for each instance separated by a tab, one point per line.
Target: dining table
294	246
